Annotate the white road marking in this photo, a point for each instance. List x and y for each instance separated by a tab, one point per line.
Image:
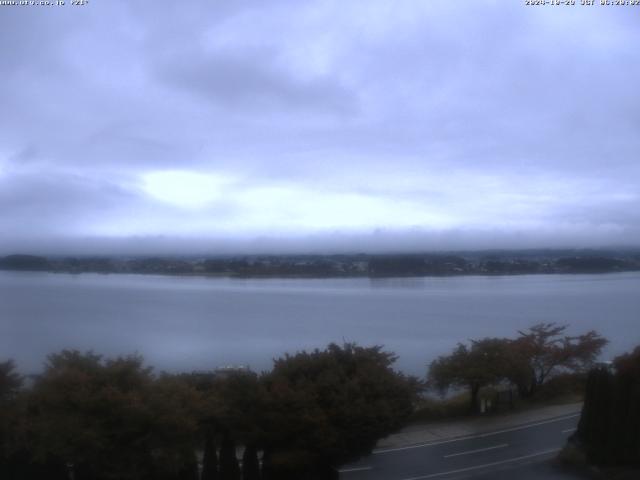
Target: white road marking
568	430
355	469
472	437
477	467
469	452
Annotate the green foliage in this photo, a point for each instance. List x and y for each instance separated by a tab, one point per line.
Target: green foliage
188	470
609	428
111	418
484	363
329	406
572	456
229	469
563	387
250	464
237	402
430	409
10	425
10	382
209	458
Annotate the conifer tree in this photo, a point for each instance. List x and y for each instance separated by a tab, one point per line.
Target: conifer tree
210	458
229	468
250	465
189	469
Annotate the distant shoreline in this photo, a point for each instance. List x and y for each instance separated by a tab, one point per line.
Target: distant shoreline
308	277
417	265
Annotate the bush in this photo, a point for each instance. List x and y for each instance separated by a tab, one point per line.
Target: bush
429	408
572	456
563	386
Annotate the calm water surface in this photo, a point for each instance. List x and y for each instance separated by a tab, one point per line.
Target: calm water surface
196	323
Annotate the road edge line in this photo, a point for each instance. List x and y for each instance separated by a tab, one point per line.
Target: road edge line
471	437
485	465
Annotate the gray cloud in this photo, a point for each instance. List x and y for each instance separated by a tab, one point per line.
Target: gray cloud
40	204
248	80
305	119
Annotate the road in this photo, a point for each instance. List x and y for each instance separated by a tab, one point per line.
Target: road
519	452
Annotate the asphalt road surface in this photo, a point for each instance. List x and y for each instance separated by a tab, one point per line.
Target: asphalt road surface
522	452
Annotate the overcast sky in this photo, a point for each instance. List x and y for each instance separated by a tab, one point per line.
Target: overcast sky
318	125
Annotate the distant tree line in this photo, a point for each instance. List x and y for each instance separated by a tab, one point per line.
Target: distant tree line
320	266
525	363
92	418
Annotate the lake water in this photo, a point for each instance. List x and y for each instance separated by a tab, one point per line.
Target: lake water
184	323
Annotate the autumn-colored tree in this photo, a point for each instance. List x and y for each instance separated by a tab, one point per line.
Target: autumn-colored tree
484	362
544	349
527	362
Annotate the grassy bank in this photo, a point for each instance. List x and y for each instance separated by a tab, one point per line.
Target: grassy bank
560	390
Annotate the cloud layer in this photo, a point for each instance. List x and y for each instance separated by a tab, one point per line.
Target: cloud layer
430	124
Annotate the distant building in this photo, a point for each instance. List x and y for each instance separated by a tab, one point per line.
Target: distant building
228	370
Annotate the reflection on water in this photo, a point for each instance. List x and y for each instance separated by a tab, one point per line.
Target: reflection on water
194	323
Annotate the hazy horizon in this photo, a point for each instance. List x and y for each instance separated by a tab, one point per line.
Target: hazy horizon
377	243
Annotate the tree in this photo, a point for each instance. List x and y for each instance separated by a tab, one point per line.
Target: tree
10	381
229	468
329	406
237	402
250	464
111	418
23	262
188	470
544	349
625	443
233	406
210	457
10	384
175	408
484	363
595	421
609	427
